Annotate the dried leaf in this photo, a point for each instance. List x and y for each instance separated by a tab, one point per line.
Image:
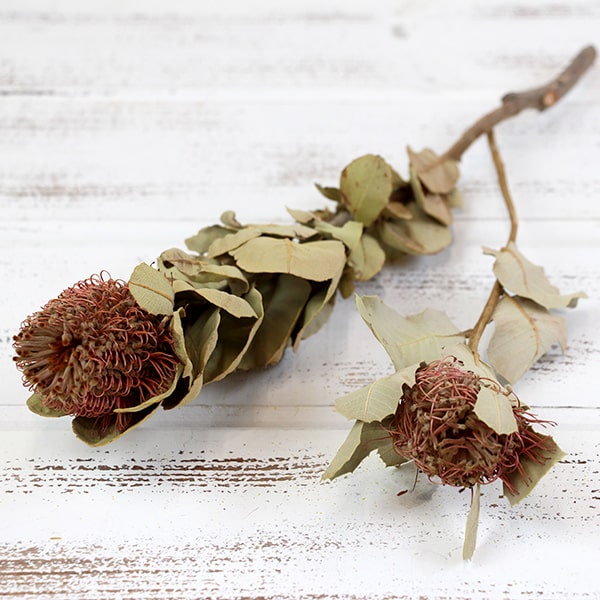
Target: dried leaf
284	299
86	429
200	272
234	305
201	242
522	277
229	219
200	339
408	340
361	441
302	216
495	410
397	210
366	185
420	235
34	404
438	177
367	259
472	523
232	241
235	334
378	400
331	193
317	312
455	198
434	205
533	470
151	290
317	261
523	332
176	327
349	233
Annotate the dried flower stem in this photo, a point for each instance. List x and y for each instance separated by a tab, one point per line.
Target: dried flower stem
497	291
540	98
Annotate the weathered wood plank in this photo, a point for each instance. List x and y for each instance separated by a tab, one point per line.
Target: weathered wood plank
225	513
112	160
112	112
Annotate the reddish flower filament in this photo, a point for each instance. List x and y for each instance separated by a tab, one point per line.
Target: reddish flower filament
93	350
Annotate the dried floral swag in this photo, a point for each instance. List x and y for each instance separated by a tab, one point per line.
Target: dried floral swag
111	353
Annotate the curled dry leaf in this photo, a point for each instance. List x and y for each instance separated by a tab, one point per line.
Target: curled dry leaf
525	279
438	176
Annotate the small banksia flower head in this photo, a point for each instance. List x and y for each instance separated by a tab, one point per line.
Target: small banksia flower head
92	350
436	426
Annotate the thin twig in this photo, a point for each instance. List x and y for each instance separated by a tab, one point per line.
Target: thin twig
510	205
497	291
540	98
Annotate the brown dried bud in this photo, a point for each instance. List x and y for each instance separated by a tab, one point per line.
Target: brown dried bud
436	426
93	350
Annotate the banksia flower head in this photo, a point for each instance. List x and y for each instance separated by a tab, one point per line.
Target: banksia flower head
437	427
93	350
444	411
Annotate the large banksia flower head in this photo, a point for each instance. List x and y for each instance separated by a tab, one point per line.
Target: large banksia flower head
93	351
437	427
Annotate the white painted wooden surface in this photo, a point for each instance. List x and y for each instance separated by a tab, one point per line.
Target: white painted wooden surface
125	127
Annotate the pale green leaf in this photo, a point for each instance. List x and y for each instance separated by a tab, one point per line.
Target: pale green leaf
367	259
284	299
201	334
176	327
302	216
434	205
349	233
233	241
201	337
361	441
408	340
438	177
331	193
234	305
397	210
35	405
366	185
455	198
201	242
523	332
472	523
151	290
235	334
522	277
377	400
176	264
316	313
495	409
534	470
229	219
419	235
317	261
318	308
86	429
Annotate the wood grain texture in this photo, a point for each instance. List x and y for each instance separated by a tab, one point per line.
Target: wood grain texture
127	126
